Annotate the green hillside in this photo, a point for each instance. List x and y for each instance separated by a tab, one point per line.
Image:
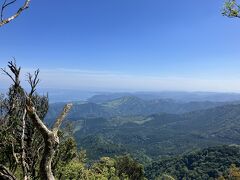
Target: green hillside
162	135
209	163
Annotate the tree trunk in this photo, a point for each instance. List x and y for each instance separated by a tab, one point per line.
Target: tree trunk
51	139
51	145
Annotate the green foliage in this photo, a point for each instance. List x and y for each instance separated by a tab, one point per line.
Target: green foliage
209	163
119	168
128	166
105	169
74	170
164	177
231	9
66	152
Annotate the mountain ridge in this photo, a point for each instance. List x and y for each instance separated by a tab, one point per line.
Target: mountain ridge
130	106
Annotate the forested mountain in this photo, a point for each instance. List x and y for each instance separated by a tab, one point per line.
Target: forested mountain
130	106
176	95
210	163
159	135
163	131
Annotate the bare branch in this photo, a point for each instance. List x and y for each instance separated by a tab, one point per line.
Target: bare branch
6	174
14	70
20	10
8	74
61	117
36	120
2	9
13	152
23	152
33	80
5	5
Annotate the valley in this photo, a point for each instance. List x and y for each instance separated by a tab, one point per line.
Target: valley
151	129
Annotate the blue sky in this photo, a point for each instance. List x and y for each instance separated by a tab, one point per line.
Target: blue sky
127	45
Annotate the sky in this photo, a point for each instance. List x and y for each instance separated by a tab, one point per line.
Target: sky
125	45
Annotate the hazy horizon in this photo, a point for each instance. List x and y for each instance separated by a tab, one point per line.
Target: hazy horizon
73	79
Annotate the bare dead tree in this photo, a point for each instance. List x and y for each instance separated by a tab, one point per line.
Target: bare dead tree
9	135
6	4
49	136
15	111
25	166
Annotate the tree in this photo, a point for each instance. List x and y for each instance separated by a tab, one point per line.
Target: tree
231	9
23	131
6	4
127	165
164	177
234	172
19	139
